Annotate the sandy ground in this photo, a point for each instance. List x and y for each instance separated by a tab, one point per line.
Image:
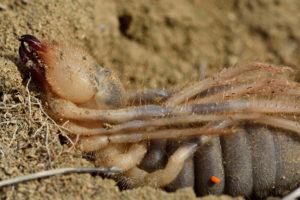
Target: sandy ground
149	44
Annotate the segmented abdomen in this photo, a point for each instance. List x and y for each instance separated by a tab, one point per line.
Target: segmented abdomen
257	161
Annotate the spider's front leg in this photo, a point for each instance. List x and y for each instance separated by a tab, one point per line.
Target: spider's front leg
162	177
122	156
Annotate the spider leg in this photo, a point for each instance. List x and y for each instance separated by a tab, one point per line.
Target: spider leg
140	125
148	96
232	73
250	106
91	143
186	176
117	155
267	86
69	110
173	167
282	123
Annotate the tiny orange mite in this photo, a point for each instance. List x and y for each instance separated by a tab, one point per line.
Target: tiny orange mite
215	180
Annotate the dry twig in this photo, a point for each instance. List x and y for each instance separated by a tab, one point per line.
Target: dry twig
54	172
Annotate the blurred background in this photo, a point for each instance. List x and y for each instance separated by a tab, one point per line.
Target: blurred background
158	43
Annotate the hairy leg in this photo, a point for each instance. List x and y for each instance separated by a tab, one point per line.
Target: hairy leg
264	87
228	74
68	110
140	125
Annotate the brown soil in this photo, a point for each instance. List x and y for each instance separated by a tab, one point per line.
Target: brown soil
149	44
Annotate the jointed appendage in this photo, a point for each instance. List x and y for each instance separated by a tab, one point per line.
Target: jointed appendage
116	126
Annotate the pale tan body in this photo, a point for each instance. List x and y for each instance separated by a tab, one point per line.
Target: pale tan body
88	97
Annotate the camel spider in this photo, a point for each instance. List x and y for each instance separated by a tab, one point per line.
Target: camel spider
76	89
